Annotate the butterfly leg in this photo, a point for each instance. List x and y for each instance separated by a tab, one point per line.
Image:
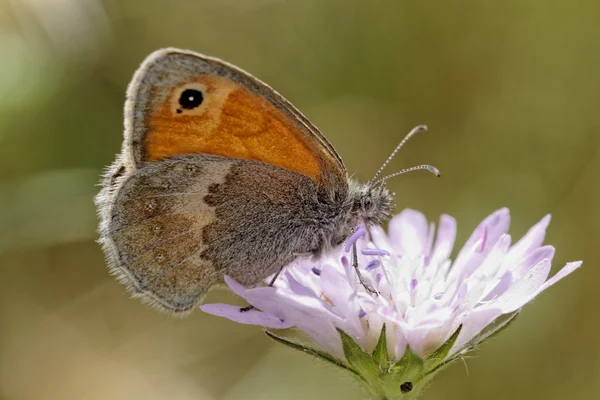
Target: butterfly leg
355	265
251	307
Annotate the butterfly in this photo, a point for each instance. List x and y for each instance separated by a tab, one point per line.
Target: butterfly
220	175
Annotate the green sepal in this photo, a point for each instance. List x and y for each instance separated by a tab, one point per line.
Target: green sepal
410	368
313	352
378	377
439	355
493	329
490	331
409	362
380	353
359	360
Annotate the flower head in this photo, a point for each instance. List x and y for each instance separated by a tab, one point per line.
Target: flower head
426	308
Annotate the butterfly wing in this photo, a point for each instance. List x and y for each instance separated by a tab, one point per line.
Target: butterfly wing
181	102
175	227
218	175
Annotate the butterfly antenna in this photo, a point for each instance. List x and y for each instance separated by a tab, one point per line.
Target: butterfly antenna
429	168
413	132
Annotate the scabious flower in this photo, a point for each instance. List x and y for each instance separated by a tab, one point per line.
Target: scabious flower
427	310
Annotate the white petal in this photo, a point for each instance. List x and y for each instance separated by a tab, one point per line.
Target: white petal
473	323
430	237
466	262
444	241
397	342
409	233
497	287
416	337
381	239
491	265
522	290
345	304
566	270
437	337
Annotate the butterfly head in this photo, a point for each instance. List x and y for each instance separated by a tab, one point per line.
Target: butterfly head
371	205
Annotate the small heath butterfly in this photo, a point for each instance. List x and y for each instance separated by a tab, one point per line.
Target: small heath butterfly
220	175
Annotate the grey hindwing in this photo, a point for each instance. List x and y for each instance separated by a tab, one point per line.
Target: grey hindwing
174	228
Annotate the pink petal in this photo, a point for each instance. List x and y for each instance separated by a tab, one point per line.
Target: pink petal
481	242
251	317
531	260
296	288
308	314
235	287
518	295
491	229
532	239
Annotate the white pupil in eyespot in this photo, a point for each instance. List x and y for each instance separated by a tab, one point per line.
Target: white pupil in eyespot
190	99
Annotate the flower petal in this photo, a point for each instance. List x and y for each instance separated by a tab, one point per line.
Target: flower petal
250	317
473	323
481	242
532	239
380	239
409	233
491	229
524	289
491	266
235	286
497	287
566	270
423	297
311	315
444	241
531	260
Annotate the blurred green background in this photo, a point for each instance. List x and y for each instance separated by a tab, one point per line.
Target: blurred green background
510	91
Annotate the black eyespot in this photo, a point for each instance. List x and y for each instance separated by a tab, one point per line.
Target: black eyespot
406	387
190	99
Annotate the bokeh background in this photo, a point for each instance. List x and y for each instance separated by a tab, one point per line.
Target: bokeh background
510	91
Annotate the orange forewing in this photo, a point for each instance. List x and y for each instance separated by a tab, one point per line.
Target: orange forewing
232	122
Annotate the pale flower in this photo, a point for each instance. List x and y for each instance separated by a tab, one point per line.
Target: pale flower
433	309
